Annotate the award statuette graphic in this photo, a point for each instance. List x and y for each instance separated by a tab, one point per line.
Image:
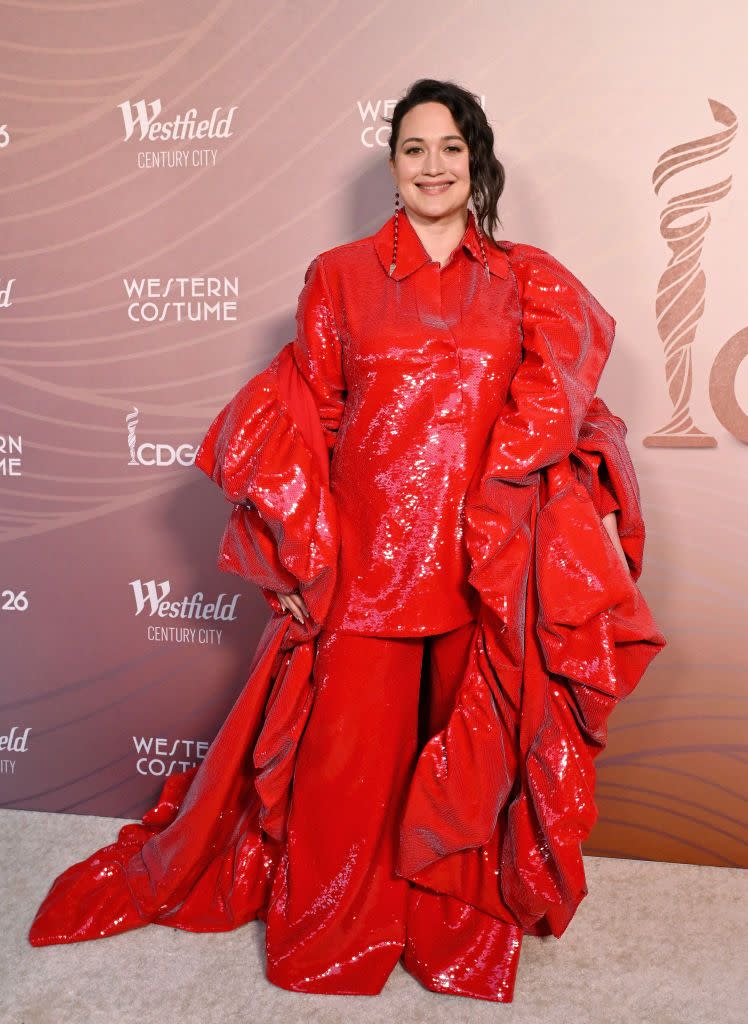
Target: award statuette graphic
132	422
681	288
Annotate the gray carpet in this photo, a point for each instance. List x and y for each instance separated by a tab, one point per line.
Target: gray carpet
654	943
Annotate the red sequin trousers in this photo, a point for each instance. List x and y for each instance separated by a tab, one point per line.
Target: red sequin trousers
339	916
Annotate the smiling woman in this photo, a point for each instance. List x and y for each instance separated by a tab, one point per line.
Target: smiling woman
438	165
419	480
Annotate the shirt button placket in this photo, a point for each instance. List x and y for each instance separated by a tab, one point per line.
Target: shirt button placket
440	345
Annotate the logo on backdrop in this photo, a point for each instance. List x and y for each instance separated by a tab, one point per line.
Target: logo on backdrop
151	599
14	601
14	742
155	453
142	121
374	134
681	290
158	756
11	450
5	300
198	300
4	136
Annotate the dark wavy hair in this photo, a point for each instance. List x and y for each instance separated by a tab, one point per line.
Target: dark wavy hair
487	174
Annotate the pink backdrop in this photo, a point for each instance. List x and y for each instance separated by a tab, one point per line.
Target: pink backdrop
168	172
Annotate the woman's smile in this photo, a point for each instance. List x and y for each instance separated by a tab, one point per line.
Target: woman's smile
434	189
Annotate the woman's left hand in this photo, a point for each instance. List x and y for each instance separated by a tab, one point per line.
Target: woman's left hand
610	523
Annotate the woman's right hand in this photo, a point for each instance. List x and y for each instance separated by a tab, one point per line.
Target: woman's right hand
294	603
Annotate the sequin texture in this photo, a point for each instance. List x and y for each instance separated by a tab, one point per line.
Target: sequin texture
410	372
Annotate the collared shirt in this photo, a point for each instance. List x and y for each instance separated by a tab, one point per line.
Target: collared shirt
409	370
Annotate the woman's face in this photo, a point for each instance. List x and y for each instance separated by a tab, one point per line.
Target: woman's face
430	150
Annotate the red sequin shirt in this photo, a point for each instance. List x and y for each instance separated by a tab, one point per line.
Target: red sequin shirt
409	372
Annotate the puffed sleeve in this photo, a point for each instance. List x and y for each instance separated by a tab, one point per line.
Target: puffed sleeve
268	450
565	633
567	337
318	350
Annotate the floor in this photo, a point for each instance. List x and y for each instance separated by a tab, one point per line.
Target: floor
654	943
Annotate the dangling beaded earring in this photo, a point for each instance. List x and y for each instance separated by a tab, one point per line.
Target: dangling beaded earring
480	241
394	238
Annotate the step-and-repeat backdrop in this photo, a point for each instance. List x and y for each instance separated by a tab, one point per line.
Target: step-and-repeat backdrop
167	172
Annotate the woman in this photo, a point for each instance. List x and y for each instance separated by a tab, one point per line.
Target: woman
430	496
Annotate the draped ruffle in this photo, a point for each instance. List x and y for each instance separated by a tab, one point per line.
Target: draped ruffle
563	635
204	855
267	452
502	798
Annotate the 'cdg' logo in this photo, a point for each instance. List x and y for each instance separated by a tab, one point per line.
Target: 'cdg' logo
155	453
150	454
